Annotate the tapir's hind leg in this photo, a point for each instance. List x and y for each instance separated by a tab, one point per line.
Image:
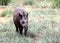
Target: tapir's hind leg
20	28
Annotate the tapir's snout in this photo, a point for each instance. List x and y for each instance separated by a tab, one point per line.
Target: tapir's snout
23	22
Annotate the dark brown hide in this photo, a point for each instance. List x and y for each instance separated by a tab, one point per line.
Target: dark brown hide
20	18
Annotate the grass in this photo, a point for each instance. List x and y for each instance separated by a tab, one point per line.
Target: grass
8	34
28	2
7	12
35	3
42	23
55	3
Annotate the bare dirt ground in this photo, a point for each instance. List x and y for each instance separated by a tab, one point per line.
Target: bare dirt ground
2	19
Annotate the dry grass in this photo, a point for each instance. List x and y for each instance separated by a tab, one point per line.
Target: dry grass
43	28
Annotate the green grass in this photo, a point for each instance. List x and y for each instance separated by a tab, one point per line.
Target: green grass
28	2
45	24
4	1
55	3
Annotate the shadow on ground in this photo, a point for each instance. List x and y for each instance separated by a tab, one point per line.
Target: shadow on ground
31	34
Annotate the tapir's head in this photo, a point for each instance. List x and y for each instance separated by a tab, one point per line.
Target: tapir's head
23	19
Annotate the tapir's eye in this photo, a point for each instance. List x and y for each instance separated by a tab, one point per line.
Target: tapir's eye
20	15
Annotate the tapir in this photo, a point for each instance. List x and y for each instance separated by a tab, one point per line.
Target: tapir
20	19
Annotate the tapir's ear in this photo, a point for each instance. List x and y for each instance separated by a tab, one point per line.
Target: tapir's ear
20	15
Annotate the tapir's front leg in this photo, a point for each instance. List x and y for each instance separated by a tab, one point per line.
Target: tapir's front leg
25	30
16	25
